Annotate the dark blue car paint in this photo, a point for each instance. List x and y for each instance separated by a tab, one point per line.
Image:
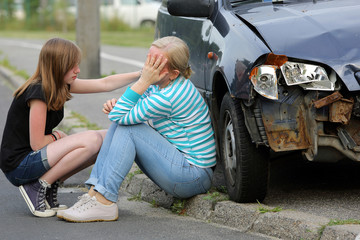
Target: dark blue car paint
325	32
322	32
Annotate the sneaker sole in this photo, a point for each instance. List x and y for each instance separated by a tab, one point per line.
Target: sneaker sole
85	221
46	213
60	207
60	214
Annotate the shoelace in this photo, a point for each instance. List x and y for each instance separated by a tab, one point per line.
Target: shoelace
41	203
86	204
53	192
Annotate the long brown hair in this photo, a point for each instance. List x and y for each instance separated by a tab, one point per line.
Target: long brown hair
57	57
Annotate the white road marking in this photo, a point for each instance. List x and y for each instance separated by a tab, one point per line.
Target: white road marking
102	54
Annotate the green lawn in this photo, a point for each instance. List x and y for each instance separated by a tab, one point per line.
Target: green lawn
132	38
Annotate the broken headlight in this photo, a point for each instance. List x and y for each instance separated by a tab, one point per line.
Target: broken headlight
265	81
308	76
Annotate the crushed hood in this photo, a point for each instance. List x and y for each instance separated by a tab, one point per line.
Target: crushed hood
321	31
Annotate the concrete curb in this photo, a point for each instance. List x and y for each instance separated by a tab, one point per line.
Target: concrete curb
285	224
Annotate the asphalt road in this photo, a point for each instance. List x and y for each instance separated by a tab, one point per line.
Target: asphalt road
330	190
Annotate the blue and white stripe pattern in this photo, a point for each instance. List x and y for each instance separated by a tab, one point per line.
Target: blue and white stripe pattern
178	112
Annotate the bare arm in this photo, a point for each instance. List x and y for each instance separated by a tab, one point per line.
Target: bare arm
105	84
37	121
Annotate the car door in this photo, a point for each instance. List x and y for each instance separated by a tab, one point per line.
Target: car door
195	32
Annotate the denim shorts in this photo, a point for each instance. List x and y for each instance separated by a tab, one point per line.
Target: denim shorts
34	165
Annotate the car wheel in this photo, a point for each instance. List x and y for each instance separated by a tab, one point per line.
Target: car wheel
147	24
246	167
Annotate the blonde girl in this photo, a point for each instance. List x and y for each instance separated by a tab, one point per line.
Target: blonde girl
175	149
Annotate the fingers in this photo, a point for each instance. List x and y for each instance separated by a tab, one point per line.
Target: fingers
161	63
113	102
109	105
148	58
153	60
156	61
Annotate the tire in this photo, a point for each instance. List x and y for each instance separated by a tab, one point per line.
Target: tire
147	24
246	167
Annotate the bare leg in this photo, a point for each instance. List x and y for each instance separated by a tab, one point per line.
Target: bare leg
88	164
72	154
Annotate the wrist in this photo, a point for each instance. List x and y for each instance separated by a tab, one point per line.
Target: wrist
53	137
57	135
140	86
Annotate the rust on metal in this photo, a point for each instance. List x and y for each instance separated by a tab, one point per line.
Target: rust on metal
282	137
328	100
353	128
277	60
340	111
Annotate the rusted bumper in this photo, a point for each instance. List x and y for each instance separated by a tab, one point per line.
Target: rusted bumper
310	121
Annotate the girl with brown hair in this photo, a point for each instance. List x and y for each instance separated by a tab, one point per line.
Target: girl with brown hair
33	156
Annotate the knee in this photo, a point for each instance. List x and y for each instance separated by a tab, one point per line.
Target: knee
94	141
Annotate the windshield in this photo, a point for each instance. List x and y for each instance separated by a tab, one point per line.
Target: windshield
236	3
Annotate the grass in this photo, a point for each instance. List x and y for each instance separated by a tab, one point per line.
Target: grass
6	63
215	196
136	197
263	209
142	37
132	174
335	222
178	207
343	222
85	123
154	204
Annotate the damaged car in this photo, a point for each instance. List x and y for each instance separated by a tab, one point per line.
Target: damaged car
278	77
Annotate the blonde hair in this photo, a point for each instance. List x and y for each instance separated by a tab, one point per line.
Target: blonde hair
177	53
57	57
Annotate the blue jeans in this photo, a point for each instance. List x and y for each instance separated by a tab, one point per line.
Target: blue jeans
155	156
34	165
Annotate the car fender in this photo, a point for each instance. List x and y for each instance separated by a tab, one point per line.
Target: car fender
239	61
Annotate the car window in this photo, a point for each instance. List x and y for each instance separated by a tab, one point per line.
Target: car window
107	2
128	2
236	3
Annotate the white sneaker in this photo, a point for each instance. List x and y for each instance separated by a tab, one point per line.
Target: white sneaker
81	199
91	211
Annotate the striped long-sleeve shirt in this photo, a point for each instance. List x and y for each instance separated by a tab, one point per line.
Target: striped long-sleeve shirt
178	112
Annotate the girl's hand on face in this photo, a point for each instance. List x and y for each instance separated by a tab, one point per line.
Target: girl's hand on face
152	70
109	105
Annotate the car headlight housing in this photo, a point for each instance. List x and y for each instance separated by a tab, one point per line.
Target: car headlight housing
307	76
265	81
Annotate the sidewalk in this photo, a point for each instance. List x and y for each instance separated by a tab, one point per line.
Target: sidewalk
284	224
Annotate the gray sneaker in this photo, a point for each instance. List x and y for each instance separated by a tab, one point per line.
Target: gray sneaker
91	211
34	195
51	201
81	199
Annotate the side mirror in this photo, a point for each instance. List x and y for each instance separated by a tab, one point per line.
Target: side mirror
191	8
